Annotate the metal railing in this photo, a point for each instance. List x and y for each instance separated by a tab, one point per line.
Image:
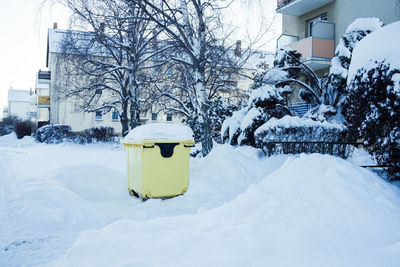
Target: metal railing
341	149
285	40
323	29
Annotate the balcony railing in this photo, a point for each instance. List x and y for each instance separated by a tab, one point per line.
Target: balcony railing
43	100
319	46
299	7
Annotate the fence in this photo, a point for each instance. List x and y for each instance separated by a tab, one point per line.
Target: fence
341	149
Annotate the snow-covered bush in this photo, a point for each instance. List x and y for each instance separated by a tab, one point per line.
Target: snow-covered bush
264	103
101	134
372	107
7	125
23	128
334	91
294	129
373	110
58	133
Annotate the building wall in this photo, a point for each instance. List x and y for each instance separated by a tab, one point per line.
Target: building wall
20	109
343	13
66	111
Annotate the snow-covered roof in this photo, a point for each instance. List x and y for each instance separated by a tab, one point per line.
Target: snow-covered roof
85	42
81	42
381	45
159	132
19	95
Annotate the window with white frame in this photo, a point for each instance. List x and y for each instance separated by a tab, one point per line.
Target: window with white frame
153	116
169	116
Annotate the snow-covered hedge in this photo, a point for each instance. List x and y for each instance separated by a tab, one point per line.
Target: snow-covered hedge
23	128
276	136
373	104
295	129
7	125
101	134
58	133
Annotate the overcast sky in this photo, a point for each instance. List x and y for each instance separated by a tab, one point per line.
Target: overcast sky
23	36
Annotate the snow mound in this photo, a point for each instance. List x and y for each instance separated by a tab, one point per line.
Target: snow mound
315	210
264	93
159	131
364	24
93	182
379	46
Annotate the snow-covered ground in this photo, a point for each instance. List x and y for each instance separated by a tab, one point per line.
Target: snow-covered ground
68	205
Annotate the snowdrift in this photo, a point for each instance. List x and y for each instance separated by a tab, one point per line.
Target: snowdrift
67	205
315	210
379	46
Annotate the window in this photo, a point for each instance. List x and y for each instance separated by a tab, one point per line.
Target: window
169	116
114	116
99	116
153	116
311	22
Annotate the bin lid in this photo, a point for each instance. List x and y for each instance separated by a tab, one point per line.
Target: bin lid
159	132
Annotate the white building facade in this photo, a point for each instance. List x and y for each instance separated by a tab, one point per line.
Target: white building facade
22	103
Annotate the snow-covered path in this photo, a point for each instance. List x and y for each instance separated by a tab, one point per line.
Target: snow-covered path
68	205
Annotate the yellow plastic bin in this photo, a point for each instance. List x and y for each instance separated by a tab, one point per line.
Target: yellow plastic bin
157	157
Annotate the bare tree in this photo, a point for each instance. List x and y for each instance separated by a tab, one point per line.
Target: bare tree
193	25
110	58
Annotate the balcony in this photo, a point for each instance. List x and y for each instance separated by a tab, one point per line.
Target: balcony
43	101
44	75
299	7
316	50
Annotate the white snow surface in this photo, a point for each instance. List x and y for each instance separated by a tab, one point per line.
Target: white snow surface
67	205
264	92
159	131
381	45
233	123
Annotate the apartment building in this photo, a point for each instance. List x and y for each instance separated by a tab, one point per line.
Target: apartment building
22	103
313	27
60	110
42	91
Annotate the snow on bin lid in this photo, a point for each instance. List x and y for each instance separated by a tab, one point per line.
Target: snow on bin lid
159	131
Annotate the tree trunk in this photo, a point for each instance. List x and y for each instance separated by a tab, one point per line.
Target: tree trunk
135	114
205	122
124	119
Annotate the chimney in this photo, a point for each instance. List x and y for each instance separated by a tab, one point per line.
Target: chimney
55	25
238	50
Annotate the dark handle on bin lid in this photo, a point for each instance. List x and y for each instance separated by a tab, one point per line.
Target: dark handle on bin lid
188	145
166	149
148	146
